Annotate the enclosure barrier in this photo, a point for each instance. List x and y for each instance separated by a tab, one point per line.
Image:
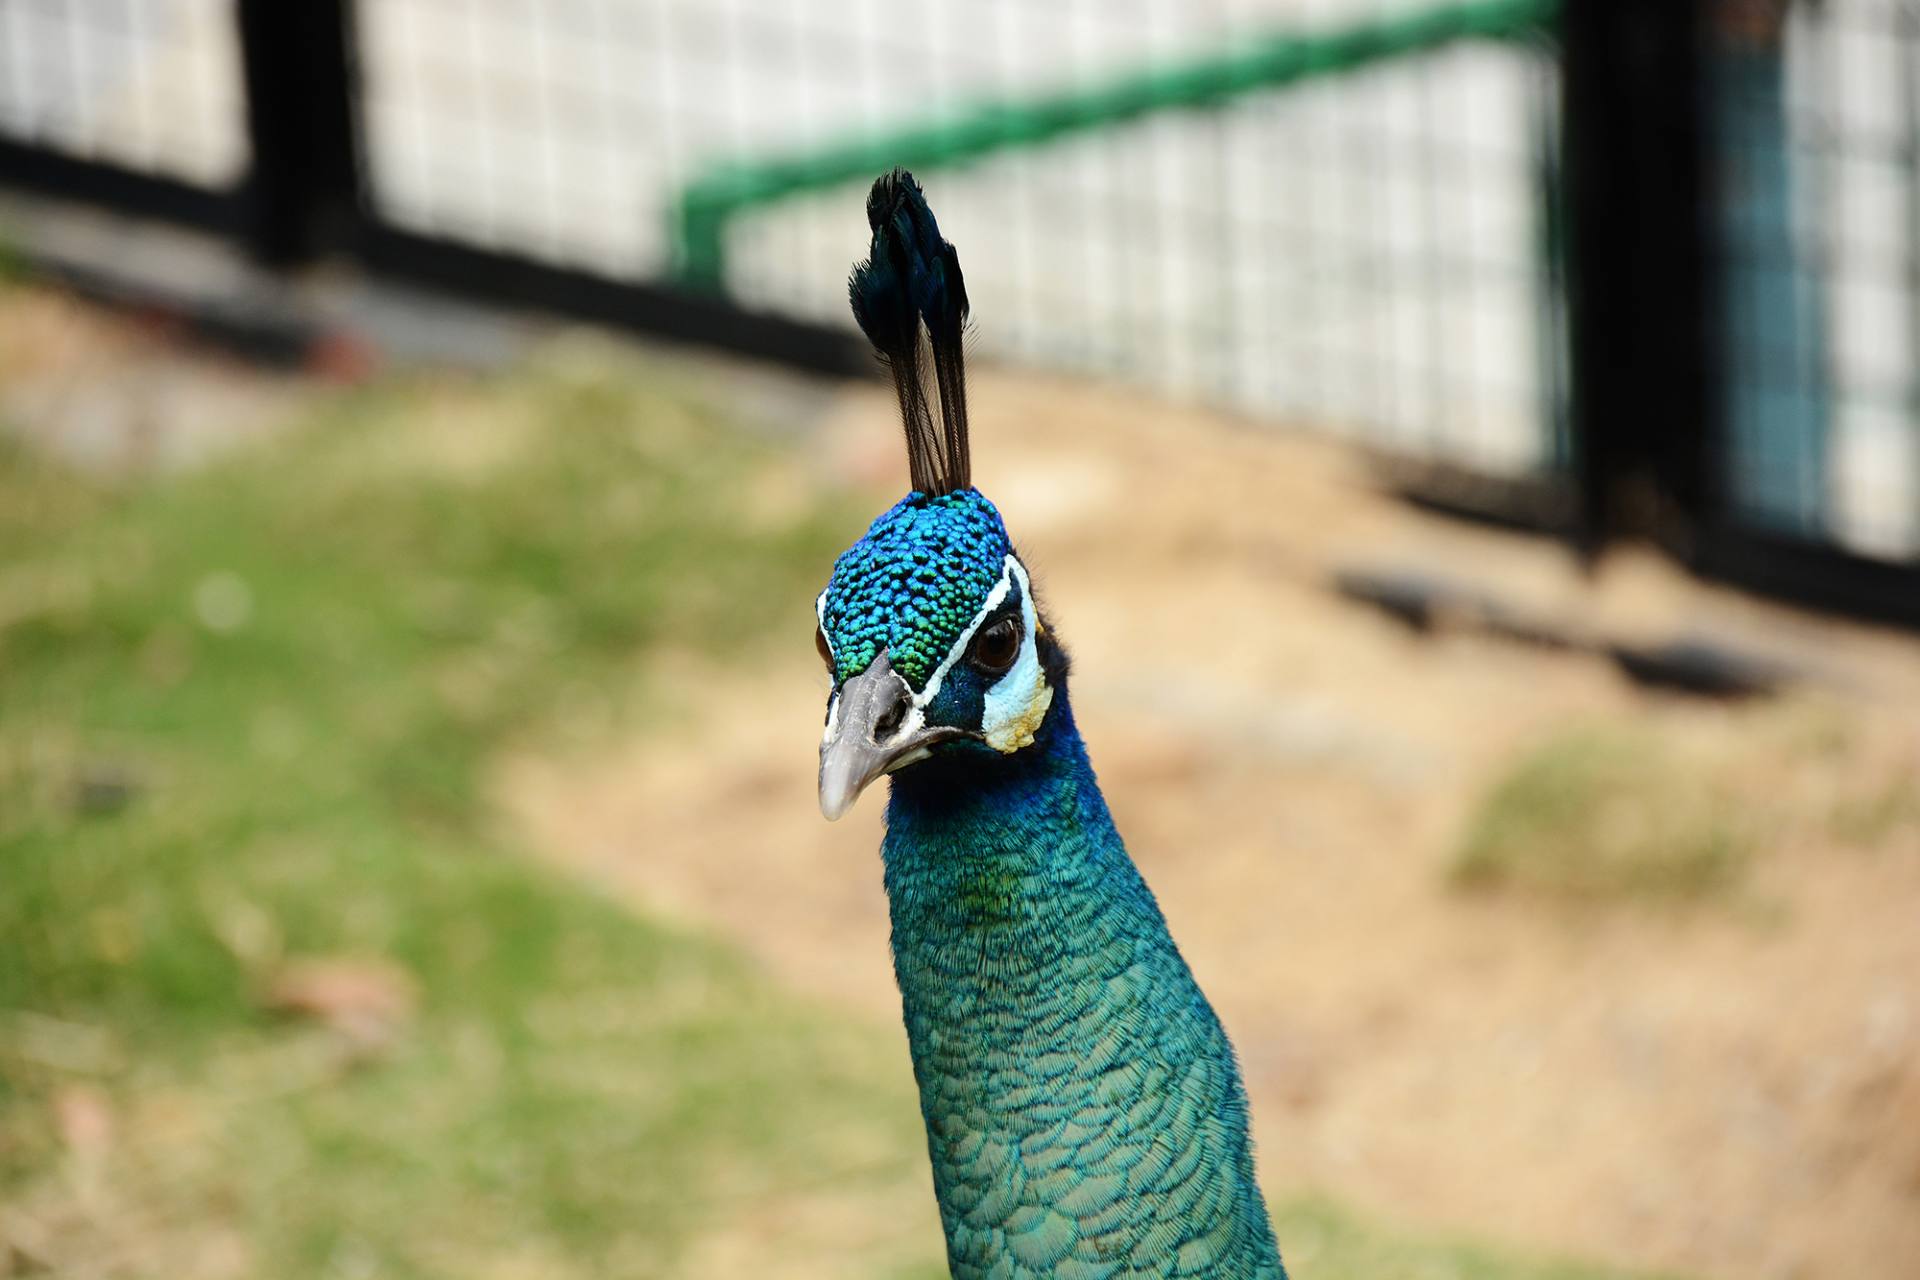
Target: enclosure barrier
700	213
1723	231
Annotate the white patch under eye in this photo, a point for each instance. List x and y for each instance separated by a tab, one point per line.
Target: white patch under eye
1018	700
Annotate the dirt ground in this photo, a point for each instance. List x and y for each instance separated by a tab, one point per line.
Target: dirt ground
1730	1089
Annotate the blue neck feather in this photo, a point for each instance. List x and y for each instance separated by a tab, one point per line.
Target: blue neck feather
1084	1112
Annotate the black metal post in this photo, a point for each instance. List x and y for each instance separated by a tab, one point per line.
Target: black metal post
302	193
1643	411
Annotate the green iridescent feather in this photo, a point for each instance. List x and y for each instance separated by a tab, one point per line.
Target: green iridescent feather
913	583
1084	1110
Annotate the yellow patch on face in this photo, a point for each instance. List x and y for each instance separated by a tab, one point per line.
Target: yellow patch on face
1018	731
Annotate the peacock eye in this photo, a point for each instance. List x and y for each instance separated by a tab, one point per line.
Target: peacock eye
820	643
995	648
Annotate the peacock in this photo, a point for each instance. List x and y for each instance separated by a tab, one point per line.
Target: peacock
1084	1112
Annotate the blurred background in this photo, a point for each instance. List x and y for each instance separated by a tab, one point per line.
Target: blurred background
1472	448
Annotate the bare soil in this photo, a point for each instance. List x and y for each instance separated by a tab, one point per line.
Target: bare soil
1730	1088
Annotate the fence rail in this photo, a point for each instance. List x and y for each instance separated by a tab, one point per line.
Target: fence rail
1634	251
1270	61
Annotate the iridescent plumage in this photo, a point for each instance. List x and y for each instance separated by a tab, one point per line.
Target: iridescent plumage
1085	1116
913	582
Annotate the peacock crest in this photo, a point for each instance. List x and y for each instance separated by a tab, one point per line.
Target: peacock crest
911	301
1084	1113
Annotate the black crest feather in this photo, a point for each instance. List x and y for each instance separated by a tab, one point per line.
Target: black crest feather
911	302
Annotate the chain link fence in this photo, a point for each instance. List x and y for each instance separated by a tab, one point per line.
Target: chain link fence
1367	252
152	85
1816	126
1377	247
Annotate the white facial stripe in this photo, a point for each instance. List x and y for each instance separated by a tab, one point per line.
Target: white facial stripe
1018	700
995	598
833	699
1019	571
1025	668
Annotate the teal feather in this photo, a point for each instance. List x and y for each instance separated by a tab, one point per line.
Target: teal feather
1084	1111
913	582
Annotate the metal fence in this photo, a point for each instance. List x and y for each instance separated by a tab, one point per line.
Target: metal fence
153	85
1816	130
1368	239
1364	253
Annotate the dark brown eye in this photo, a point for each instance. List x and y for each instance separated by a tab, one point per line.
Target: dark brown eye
820	643
997	645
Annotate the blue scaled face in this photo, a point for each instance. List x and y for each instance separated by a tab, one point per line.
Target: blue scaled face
935	598
913	583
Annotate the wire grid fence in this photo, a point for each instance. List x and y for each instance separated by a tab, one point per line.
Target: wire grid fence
151	85
1366	253
1373	253
1816	117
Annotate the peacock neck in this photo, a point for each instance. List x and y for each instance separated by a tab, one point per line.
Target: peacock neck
991	848
1081	1100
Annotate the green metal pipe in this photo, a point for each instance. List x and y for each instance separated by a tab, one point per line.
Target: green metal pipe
700	214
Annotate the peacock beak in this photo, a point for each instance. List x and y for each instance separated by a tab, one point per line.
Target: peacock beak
873	727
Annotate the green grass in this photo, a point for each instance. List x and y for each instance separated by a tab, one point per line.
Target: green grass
12	266
1872	821
245	714
301	660
1601	814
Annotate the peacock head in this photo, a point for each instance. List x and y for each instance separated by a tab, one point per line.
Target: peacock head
928	626
934	642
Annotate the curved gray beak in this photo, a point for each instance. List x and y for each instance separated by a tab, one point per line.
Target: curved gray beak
872	728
